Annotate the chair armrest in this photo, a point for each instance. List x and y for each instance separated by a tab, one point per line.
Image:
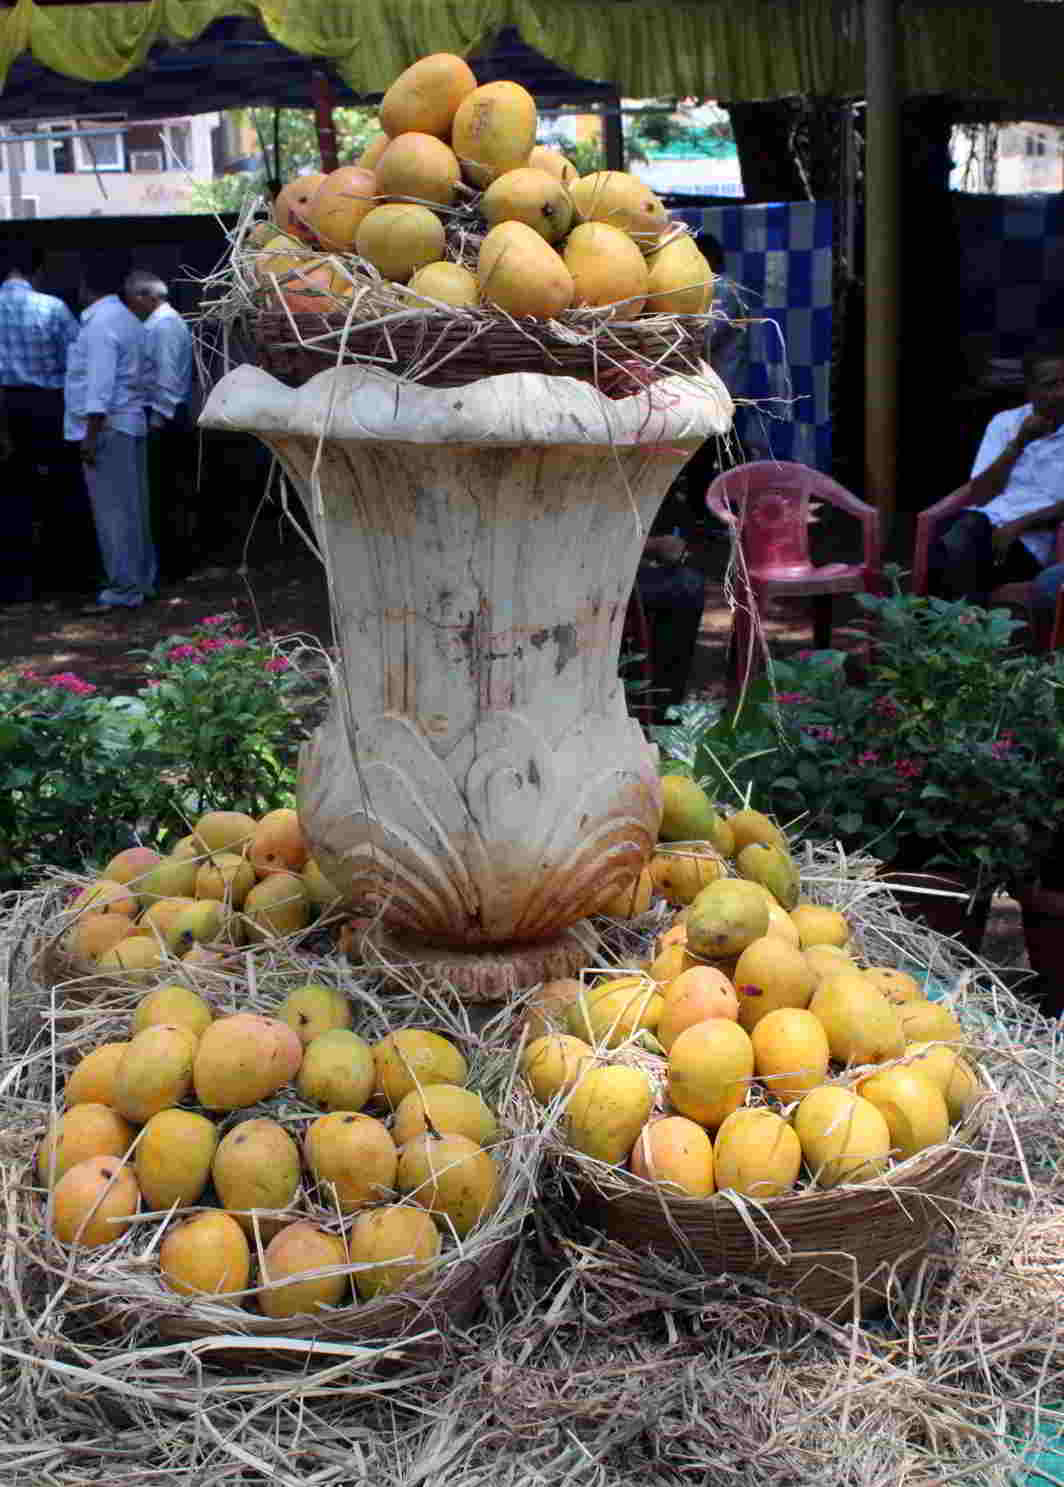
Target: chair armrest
1058	550
927	524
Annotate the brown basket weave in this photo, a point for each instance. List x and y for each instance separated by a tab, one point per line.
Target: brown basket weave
824	1248
451	351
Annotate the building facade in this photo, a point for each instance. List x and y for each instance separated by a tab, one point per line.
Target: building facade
103	167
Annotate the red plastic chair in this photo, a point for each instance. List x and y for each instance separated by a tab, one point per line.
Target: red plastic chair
927	525
773	503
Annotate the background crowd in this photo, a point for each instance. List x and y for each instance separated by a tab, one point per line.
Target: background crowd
96	420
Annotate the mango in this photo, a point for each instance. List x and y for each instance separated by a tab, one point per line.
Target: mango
623	201
396	1245
88	1130
688	815
912	1105
313	1009
756	1154
532	196
155	1072
606	1111
680	281
726	916
93	1203
676	1154
416	1057
223	831
417	167
176	1005
92	1081
338	1071
613	1012
206	1255
554	1063
924	1021
861	1025
255	1169
769	974
774	868
448	282
452	1178
520	273
696	995
791	1053
399	239
710	1068
607	268
955	1078
352	1157
749	827
172	1162
336	211
426	95
448	1109
293	1257
494	130
844	1138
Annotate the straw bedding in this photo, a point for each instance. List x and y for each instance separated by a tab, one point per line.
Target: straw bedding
588	1363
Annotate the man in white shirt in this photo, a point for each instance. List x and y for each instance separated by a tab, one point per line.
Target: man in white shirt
105	418
1007	535
169	384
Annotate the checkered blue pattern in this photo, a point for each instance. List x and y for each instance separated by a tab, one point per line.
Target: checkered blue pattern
779	254
1012	268
36	332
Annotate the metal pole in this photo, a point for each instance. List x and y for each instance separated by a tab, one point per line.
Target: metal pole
613	133
882	278
324	122
14	179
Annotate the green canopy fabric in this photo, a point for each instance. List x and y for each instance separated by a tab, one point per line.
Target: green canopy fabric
730	49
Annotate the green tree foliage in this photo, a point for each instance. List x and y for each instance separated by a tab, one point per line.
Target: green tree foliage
288	145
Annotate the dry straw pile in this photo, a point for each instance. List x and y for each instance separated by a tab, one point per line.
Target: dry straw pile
586	1363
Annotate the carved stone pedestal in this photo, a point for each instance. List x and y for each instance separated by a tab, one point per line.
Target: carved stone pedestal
478	782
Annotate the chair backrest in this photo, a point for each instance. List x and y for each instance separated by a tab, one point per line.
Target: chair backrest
770	499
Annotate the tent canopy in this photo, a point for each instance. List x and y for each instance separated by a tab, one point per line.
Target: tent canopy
156	57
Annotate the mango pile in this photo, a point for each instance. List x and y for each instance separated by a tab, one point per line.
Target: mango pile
232	880
454	162
775	1056
172	1119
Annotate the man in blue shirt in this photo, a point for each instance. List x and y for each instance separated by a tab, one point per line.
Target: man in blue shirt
36	333
105	418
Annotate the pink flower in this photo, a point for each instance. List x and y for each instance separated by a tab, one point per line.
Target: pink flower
183	653
216	619
815	730
66	681
1003	744
805	655
886	707
909	769
791	697
279	663
213	643
868	757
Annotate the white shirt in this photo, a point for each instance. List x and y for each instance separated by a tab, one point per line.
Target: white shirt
1036	480
105	371
168	372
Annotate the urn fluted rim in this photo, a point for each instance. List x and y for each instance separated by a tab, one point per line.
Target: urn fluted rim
356	404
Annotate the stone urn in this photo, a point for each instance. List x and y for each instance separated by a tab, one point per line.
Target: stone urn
478	787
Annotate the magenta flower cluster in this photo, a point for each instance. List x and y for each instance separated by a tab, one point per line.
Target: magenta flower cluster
62	681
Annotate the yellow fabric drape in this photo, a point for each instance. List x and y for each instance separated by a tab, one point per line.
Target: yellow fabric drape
729	49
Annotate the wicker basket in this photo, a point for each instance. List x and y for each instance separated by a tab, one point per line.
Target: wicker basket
450	351
821	1247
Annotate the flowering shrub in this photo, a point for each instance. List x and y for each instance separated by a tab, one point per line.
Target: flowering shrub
222	708
67	787
217	724
949	754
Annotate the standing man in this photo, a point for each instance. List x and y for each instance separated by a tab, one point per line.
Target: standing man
36	333
168	389
105	418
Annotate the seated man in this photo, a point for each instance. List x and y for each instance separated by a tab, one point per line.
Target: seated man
1007	533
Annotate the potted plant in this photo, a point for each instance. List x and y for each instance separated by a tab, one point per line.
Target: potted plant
945	760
